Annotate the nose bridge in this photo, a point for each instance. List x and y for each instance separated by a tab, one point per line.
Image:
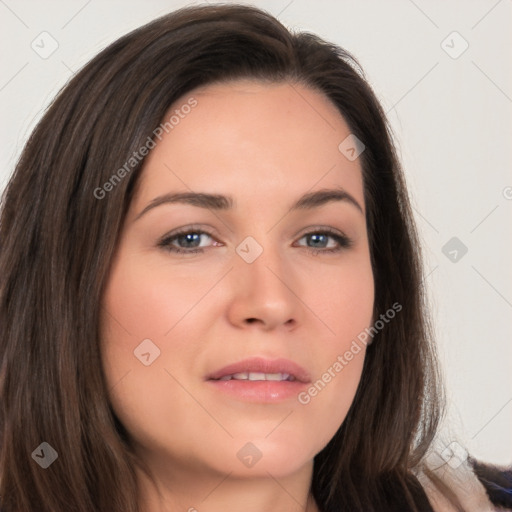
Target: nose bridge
263	282
261	262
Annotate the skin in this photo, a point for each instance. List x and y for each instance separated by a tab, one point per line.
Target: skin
264	145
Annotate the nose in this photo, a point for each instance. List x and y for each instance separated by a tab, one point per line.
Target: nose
264	293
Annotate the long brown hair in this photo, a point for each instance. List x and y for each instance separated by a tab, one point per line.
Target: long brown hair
57	241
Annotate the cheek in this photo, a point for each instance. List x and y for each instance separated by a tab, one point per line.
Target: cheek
345	305
343	299
143	302
331	393
138	305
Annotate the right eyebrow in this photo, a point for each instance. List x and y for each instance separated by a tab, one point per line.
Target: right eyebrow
199	199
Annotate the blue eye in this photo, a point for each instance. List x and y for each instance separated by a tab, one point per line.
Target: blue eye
322	237
188	241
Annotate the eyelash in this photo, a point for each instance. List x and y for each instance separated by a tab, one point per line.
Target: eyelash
343	241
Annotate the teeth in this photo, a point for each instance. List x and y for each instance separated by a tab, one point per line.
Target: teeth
258	376
276	376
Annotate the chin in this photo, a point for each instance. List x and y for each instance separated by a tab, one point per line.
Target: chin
258	456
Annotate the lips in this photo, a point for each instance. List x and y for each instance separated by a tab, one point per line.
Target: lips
259	368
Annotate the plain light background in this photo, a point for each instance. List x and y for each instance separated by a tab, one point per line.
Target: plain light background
450	108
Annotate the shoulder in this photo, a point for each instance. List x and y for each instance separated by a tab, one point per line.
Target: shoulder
467	485
497	482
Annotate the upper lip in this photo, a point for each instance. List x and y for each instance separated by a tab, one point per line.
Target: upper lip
262	365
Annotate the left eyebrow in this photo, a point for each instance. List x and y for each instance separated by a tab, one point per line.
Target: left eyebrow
308	201
324	196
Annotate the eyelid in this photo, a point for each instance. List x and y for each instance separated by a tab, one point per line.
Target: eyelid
192	228
200	228
214	233
342	240
319	228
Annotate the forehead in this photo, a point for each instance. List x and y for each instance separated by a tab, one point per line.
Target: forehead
252	140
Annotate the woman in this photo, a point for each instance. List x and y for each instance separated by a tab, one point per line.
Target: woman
171	340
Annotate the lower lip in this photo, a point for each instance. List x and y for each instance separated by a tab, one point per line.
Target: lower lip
260	390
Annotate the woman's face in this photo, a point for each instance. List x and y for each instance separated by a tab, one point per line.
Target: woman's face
253	281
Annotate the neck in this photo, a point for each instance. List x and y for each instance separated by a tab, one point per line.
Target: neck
195	489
